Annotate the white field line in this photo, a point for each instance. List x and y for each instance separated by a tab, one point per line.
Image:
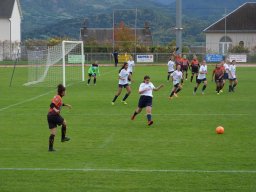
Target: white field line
168	114
131	170
38	96
25	101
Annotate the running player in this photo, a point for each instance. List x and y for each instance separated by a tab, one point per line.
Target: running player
218	74
176	79
226	71
171	65
131	64
201	77
145	90
54	118
92	72
194	68
185	66
232	76
124	76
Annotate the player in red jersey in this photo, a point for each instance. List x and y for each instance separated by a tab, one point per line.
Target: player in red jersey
218	74
194	68
54	118
185	66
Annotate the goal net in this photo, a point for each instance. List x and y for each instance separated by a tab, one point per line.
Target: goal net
63	63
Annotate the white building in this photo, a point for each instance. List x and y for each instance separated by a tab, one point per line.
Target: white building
236	28
10	28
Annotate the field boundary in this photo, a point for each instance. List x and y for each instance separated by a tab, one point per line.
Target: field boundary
130	170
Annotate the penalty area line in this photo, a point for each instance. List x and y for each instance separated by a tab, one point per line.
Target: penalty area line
130	170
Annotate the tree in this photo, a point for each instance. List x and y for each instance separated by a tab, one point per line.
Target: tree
124	38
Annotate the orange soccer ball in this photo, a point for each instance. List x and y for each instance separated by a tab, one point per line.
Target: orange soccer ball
219	130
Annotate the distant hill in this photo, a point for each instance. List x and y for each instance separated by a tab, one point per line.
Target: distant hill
47	18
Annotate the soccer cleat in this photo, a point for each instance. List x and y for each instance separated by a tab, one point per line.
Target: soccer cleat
170	98
112	103
194	93
202	93
65	139
150	123
51	150
218	93
124	102
175	95
186	79
133	117
221	91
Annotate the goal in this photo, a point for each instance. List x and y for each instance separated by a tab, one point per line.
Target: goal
63	63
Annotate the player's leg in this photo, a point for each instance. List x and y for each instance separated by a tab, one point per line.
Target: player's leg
230	85
192	75
186	74
234	84
173	91
128	89
117	94
149	115
63	132
204	87
53	132
178	89
136	112
168	76
198	82
89	78
94	80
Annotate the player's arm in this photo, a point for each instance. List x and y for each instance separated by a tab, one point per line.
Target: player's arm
54	107
158	88
67	105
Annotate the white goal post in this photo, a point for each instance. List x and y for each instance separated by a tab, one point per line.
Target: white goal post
62	63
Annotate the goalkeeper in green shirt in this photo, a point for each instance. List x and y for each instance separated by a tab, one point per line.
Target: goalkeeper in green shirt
93	71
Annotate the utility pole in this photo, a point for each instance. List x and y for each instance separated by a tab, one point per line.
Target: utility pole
178	27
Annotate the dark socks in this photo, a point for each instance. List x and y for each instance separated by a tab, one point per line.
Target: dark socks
51	141
178	90
94	81
115	98
204	87
126	96
168	77
88	82
195	89
135	113
191	79
63	131
172	93
149	116
230	88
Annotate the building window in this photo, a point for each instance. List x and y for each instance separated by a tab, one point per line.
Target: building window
225	44
241	44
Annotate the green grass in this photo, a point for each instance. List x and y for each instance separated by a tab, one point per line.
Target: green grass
180	152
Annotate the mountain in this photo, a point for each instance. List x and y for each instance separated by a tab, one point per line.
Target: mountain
47	18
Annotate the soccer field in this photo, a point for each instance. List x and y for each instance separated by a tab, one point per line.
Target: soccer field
109	152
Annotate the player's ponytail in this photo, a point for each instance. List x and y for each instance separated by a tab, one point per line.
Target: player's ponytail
61	89
125	63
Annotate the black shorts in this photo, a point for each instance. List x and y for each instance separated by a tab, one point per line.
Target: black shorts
185	68
195	69
219	80
54	120
170	72
225	75
123	86
92	74
145	101
200	80
176	85
130	73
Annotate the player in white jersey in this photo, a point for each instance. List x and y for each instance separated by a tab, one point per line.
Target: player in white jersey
171	67
176	79
124	76
232	76
131	64
146	96
201	77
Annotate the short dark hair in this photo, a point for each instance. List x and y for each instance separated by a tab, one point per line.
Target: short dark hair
61	89
146	77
